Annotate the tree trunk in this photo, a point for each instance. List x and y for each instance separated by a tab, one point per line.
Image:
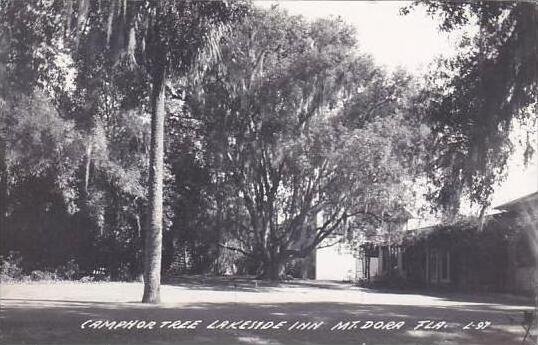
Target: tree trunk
153	244
273	270
533	238
3	184
535	326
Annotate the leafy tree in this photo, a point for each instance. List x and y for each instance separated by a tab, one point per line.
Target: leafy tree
484	91
175	33
39	149
81	89
161	38
477	96
40	181
297	131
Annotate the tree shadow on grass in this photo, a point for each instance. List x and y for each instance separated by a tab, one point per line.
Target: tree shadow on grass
38	321
221	283
251	284
475	297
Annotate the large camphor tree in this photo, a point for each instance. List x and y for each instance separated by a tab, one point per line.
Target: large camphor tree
304	135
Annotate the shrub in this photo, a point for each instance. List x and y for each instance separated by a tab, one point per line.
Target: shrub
11	270
124	273
69	271
38	275
86	279
10	267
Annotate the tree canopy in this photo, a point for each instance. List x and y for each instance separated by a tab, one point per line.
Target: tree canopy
299	127
477	96
222	135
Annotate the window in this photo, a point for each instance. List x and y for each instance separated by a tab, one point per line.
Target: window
439	266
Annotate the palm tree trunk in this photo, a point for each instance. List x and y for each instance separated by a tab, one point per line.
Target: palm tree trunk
533	238
3	184
153	247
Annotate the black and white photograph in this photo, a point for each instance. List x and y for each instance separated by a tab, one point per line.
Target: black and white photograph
268	172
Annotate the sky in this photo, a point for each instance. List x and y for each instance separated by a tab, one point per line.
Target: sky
412	42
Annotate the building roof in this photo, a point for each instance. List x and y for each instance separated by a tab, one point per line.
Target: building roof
529	199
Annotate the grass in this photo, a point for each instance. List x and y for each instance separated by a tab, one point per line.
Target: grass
52	313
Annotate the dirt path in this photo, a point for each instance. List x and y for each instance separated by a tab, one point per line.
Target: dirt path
55	313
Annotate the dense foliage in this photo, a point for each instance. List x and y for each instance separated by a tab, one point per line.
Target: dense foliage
478	97
244	137
298	124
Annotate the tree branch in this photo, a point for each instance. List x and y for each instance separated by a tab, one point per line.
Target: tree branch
236	249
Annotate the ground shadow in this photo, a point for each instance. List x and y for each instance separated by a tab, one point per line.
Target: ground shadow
478	297
59	322
251	284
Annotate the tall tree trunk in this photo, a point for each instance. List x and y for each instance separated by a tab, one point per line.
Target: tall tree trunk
535	325
3	183
153	245
534	243
273	270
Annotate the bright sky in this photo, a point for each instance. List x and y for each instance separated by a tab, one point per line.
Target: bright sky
411	42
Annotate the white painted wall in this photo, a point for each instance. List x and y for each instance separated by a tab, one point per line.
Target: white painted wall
335	264
375	272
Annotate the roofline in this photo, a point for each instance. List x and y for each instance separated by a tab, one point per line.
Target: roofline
516	202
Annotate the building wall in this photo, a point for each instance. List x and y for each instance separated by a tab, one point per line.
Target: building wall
524	279
336	263
522	264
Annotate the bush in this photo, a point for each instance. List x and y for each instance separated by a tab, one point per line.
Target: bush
86	279
393	281
11	271
11	268
38	275
69	271
124	273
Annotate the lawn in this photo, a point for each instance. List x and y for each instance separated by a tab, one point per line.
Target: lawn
198	311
